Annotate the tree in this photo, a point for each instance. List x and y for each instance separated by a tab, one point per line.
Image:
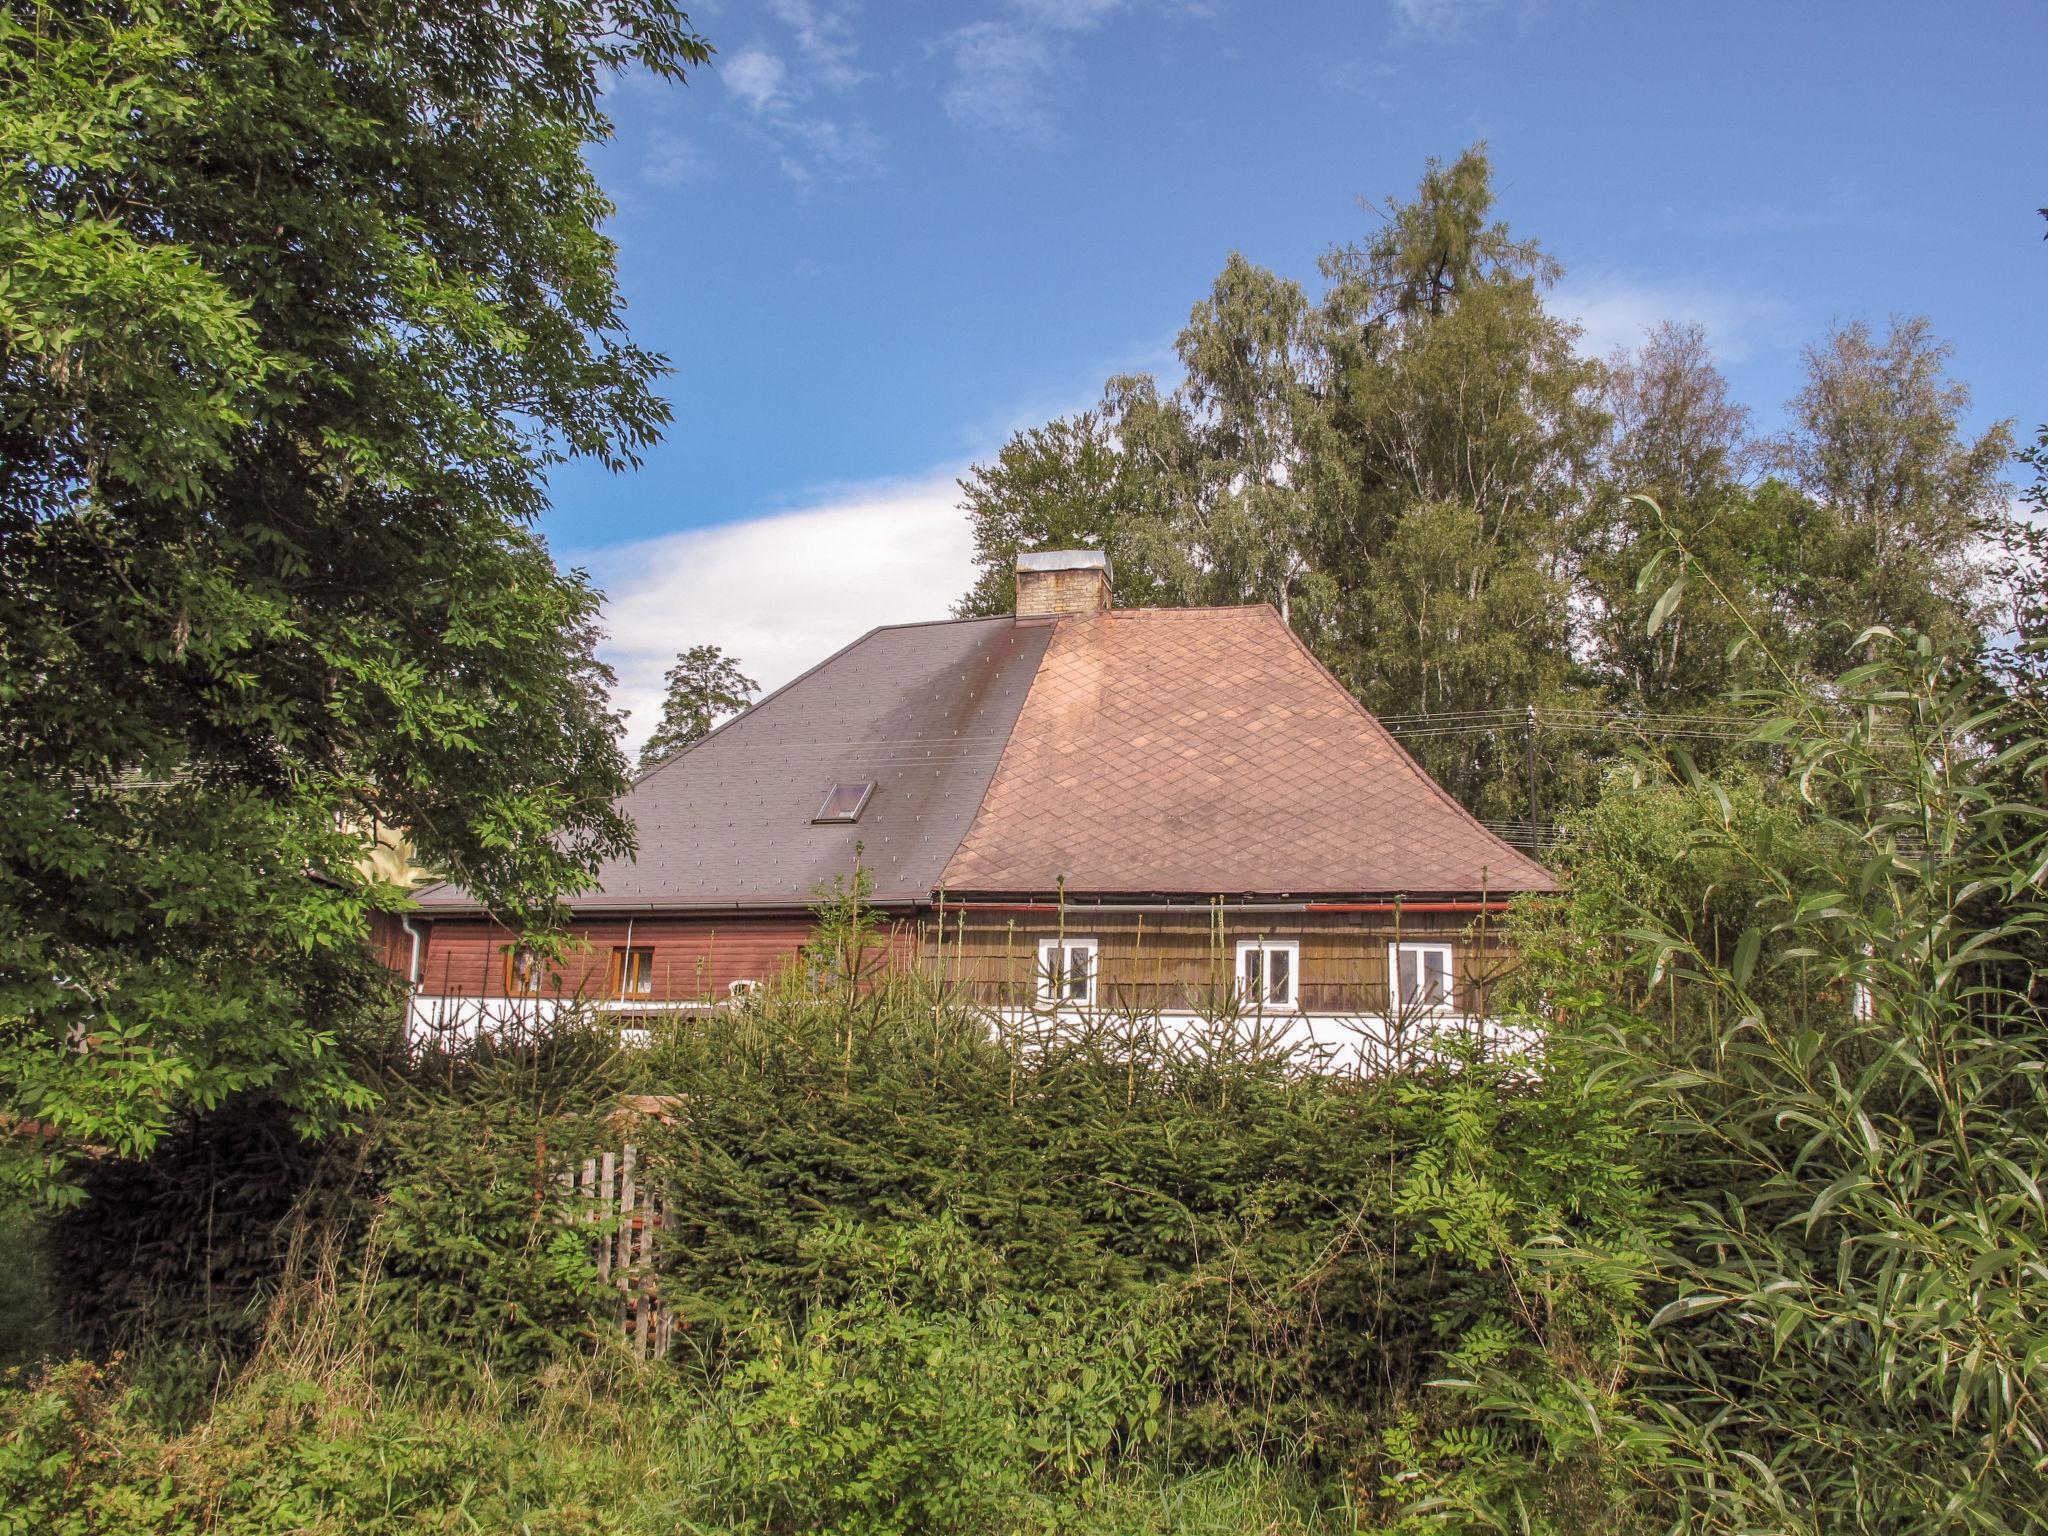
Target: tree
300	303
1458	405
1399	469
1065	485
1678	435
704	686
1830	1050
1878	443
1238	443
1681	441
2015	655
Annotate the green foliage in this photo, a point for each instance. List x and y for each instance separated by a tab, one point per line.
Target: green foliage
2016	661
298	304
1276	1225
1060	486
176	1257
1670	851
317	1449
440	1229
1827	1016
293	1452
28	1317
704	686
475	1263
1527	1174
928	1399
1879	443
1675	469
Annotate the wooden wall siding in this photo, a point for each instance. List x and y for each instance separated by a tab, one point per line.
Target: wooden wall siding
695	959
389	941
1170	962
1150	962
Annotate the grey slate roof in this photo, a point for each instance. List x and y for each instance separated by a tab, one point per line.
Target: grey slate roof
923	710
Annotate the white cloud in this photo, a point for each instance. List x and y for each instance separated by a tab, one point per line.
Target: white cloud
1067	15
1008	72
669	159
1615	311
758	78
1449	19
824	35
1003	80
1439	16
782	592
782	98
839	149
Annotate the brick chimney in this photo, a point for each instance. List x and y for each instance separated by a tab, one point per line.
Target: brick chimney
1061	581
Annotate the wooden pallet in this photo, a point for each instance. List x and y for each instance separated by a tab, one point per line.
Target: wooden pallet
625	1211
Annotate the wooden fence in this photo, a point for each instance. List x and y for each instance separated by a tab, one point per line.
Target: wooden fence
625	1211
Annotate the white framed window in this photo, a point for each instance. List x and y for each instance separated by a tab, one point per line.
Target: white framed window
1269	973
1066	971
1420	977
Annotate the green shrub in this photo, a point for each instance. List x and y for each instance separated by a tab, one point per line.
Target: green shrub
1097	1179
929	1400
28	1320
475	1262
1843	1327
322	1450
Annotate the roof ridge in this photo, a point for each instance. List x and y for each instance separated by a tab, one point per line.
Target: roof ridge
777	692
1176	611
980	618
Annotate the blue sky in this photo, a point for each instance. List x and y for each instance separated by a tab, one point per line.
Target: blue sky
875	239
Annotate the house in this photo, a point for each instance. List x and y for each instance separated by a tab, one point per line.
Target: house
1163	811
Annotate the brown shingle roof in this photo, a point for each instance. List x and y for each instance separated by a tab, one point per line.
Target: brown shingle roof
922	710
1206	751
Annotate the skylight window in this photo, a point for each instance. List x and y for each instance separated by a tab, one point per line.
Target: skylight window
844	803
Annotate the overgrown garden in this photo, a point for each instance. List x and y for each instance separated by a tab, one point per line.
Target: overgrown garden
299	305
1749	1240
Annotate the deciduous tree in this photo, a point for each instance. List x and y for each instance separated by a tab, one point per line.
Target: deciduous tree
704	687
1878	442
1065	485
298	303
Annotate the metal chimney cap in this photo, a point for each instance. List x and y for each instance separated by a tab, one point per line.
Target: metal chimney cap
1064	560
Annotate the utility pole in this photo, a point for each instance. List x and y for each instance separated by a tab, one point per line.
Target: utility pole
1535	815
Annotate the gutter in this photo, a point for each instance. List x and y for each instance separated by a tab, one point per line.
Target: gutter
1234	906
582	911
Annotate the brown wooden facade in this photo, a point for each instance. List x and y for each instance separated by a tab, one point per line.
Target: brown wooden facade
1174	959
689	959
1184	959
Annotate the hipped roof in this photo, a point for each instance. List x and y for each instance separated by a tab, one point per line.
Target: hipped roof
1191	752
1206	751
